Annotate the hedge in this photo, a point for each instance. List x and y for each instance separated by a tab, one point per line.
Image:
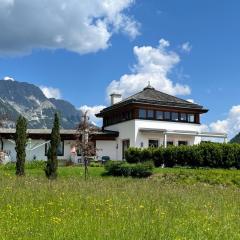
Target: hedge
212	155
138	170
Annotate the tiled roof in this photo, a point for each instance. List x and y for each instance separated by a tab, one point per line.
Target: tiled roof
151	96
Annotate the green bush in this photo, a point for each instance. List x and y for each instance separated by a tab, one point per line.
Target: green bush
95	164
112	167
139	170
142	170
158	157
133	155
212	155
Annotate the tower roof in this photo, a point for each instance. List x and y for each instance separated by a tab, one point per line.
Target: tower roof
150	96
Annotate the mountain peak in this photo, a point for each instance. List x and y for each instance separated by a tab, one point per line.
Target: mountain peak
28	100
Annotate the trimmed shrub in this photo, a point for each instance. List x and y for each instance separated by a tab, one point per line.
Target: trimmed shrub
138	170
113	168
142	170
158	157
212	155
170	156
133	155
146	154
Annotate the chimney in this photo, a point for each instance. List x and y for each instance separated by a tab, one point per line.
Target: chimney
115	98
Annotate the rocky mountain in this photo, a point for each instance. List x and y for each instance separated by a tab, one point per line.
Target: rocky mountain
27	99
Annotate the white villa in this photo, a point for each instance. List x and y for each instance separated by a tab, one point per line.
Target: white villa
148	118
151	118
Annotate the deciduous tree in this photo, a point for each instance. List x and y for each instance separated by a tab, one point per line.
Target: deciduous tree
85	131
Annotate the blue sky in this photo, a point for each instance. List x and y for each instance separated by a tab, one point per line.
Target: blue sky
208	65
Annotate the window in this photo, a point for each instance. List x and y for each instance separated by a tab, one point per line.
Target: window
60	149
174	116
150	114
142	113
79	152
167	115
180	143
153	143
169	143
191	118
183	117
159	115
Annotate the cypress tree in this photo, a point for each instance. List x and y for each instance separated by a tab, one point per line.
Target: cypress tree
21	142
52	162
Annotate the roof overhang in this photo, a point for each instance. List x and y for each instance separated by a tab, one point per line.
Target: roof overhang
156	104
66	134
186	133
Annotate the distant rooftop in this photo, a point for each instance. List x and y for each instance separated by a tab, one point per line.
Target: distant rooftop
65	133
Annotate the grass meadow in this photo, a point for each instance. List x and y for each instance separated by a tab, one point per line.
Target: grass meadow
172	204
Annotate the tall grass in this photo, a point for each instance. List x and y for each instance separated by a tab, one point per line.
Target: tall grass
115	208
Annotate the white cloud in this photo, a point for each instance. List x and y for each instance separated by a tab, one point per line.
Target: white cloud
163	43
153	64
8	79
190	100
79	26
186	47
91	111
230	125
204	128
51	92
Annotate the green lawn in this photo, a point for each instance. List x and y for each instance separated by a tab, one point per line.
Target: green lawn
172	204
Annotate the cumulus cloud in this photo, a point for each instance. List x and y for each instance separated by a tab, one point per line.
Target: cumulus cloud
204	128
79	26
230	125
186	47
92	110
153	64
51	92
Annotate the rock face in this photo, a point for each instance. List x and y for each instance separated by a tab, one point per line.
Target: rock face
27	99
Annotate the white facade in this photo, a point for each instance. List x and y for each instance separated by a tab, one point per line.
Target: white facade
139	132
36	150
146	130
106	148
